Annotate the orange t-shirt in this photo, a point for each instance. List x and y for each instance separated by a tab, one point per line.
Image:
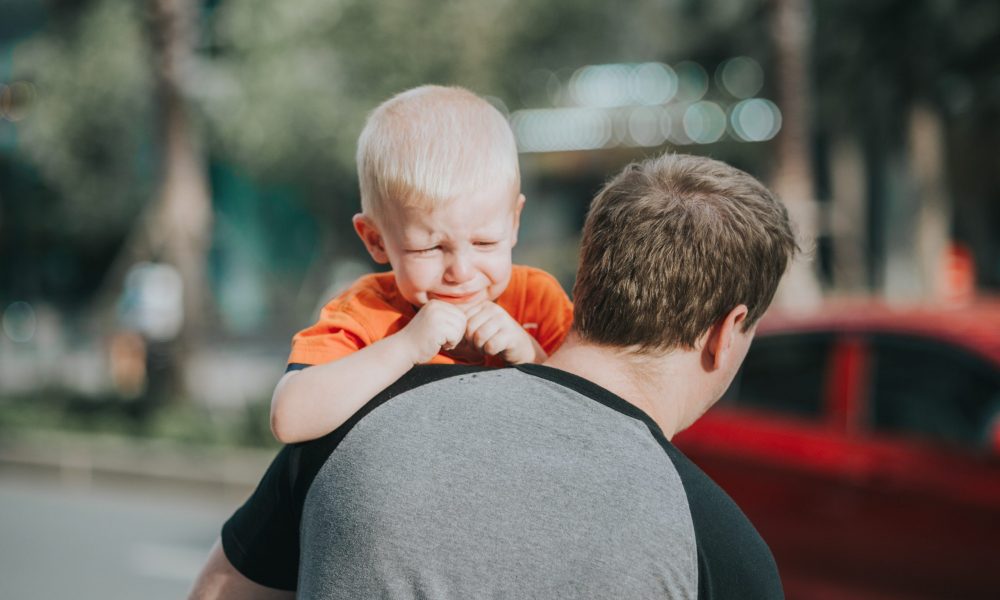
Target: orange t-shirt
372	309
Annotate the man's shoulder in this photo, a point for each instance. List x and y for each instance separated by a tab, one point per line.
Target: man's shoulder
733	559
525	455
415	378
421	375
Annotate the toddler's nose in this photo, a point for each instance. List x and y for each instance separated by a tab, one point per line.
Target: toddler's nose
459	269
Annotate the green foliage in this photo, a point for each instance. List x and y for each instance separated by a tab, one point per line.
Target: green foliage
287	85
272	93
87	131
187	423
282	88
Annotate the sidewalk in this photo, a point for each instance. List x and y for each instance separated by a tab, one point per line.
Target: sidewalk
89	457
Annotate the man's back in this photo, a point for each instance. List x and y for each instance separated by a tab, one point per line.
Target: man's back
525	482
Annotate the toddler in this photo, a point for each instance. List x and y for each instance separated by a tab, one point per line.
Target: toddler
440	203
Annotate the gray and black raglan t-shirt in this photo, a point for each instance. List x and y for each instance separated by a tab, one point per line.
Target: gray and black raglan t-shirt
526	482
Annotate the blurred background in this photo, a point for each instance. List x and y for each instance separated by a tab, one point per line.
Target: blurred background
177	180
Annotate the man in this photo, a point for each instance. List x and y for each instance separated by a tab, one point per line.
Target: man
553	480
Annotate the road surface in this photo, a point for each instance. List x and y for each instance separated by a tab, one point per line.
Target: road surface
80	539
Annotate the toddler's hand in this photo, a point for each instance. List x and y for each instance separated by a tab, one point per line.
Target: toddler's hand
491	330
436	326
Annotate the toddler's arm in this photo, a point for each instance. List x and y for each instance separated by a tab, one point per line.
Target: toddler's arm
491	330
311	403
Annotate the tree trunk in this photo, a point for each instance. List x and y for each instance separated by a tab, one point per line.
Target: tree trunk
848	216
933	230
918	220
180	227
792	179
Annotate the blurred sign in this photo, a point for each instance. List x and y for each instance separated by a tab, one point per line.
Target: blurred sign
152	302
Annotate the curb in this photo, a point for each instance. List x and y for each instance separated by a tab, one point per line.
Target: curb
89	457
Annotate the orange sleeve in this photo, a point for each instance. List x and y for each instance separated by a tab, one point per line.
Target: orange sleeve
335	335
365	313
548	312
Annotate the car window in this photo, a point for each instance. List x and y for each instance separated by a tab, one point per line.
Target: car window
784	374
932	390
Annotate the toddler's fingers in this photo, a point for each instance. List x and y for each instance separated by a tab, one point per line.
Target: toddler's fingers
454	333
485	332
450	344
487	314
497	343
476	321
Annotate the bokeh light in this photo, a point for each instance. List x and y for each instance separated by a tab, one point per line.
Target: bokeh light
755	120
666	124
692	81
672	125
653	83
644	127
19	322
705	122
644	104
601	86
741	76
560	129
619	127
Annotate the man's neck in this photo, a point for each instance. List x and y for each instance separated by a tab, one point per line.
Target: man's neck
660	386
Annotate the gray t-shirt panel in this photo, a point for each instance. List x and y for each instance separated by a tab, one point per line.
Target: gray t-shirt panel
497	484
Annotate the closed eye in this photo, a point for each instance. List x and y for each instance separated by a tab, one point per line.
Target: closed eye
422	251
486	244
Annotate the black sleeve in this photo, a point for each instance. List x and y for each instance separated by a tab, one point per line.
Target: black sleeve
733	560
261	539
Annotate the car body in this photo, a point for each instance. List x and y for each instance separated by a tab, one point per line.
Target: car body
863	441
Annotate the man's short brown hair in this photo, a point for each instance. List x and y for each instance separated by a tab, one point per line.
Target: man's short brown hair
670	246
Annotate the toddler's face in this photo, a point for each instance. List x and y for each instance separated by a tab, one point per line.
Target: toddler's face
459	252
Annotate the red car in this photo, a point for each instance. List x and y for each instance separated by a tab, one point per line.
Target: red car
864	443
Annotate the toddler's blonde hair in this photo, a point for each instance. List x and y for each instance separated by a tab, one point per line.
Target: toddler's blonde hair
430	144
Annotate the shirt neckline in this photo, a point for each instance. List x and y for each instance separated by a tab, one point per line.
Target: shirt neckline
595	392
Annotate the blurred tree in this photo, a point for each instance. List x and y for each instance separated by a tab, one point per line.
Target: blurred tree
86	131
285	86
913	86
281	90
793	179
180	222
104	76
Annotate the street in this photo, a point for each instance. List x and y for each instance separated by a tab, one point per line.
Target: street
79	539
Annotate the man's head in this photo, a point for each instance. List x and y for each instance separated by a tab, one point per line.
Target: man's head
673	245
440	194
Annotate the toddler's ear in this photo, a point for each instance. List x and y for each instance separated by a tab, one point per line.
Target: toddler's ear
369	233
517	219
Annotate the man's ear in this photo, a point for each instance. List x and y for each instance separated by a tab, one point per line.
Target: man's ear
718	340
517	219
370	235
